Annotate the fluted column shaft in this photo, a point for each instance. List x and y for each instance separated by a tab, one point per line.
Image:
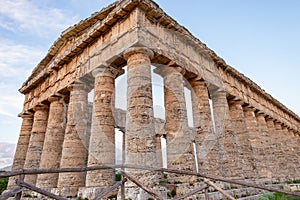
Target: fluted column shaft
205	138
296	147
274	151
287	149
245	150
255	140
226	135
76	140
264	145
22	146
280	154
36	143
178	134
52	147
102	140
140	139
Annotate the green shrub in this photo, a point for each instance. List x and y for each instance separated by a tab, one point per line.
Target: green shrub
118	177
3	184
277	196
294	182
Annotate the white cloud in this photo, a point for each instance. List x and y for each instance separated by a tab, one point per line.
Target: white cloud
31	17
17	60
10	100
16	63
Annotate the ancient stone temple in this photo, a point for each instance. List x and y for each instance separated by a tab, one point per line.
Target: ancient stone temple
70	115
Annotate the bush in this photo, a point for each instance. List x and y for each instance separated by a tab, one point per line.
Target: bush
3	184
277	196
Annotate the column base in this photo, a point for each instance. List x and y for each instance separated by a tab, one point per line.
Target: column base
139	194
93	192
68	192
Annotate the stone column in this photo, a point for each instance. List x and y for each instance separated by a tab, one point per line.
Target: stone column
22	146
140	144
76	140
178	134
245	150
226	135
264	145
274	151
102	140
255	140
296	147
205	138
280	154
288	153
36	143
54	137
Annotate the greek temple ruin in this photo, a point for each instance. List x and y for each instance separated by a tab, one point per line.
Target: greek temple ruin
213	120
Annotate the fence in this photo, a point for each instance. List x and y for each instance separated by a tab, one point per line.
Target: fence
17	191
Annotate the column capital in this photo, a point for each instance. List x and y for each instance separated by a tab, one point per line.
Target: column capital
55	97
198	81
138	50
164	71
79	85
269	118
218	93
26	114
40	107
106	71
249	108
236	101
260	114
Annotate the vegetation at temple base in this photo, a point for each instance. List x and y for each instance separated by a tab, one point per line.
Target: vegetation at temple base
294	182
277	196
3	183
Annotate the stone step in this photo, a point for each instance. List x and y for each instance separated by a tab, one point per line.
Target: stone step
254	197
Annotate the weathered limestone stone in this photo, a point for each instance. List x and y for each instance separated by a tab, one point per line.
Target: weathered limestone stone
205	138
22	146
76	140
140	139
273	148
245	150
179	138
280	154
264	145
254	138
102	140
36	143
52	147
226	136
296	147
236	141
289	154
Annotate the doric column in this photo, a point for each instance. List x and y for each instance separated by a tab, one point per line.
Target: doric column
296	148
226	135
205	138
178	134
22	146
54	137
280	154
288	153
102	140
263	145
140	144
273	151
76	140
244	146
36	143
255	140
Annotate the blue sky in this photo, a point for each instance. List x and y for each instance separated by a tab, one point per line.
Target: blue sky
261	39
